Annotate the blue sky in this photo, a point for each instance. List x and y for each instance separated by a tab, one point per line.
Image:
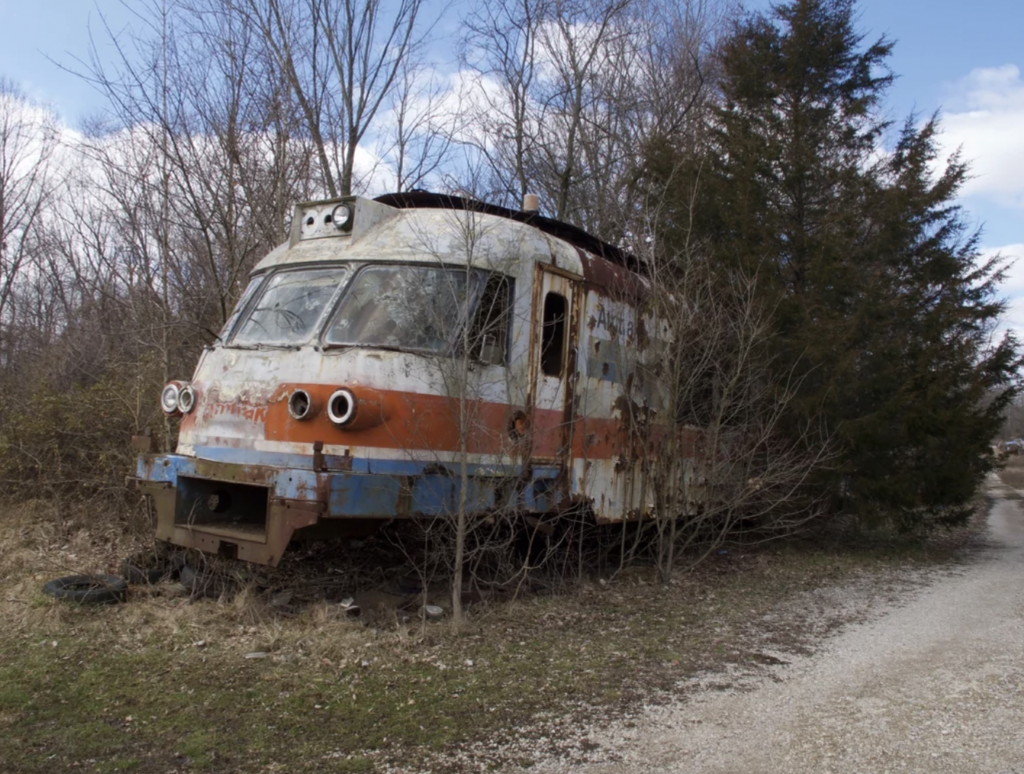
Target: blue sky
939	44
963	58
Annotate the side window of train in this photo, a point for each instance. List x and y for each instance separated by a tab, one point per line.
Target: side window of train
552	346
490	332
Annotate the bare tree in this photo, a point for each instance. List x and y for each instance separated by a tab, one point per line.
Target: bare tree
576	40
418	128
566	94
340	59
739	472
478	366
501	48
28	138
707	411
227	164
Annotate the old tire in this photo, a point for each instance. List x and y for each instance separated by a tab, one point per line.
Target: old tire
87	589
201	584
134	570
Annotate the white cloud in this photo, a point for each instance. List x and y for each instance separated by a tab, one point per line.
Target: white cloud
986	120
1012	288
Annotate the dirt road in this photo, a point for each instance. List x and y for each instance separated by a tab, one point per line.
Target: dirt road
935	684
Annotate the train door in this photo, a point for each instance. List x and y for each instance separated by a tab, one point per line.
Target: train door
556	310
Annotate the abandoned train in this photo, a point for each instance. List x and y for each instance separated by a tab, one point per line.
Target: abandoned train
392	349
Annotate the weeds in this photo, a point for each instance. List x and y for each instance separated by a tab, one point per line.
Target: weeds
248	682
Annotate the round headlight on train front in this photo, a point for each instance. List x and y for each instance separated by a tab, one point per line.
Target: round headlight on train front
341	408
169	398
186	399
341	216
299	404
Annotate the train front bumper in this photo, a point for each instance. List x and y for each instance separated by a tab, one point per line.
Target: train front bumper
248	512
251	511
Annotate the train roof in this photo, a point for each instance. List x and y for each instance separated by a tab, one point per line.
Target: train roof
556	228
605	267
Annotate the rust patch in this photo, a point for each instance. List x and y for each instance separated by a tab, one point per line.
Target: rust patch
403	505
572	366
342	462
612	280
436	469
643	340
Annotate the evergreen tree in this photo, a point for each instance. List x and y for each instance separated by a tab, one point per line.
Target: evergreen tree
884	310
934	382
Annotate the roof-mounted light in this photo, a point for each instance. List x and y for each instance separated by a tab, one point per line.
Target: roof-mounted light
341	216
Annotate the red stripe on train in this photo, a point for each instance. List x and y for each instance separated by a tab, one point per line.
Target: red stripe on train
387	419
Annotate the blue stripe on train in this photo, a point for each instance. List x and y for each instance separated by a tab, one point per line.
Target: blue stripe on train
374	488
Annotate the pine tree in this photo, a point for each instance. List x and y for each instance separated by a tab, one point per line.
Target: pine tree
884	310
934	381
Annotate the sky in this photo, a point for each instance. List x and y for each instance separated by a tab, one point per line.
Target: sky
963	59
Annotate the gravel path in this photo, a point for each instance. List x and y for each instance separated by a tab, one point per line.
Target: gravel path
933	685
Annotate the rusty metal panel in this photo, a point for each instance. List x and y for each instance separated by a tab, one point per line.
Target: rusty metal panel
613	280
623	412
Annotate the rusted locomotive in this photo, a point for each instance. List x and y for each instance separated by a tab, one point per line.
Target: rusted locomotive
404	357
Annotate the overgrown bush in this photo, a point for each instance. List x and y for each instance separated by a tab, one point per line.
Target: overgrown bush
75	443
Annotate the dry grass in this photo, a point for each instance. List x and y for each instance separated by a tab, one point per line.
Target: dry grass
39	542
163	684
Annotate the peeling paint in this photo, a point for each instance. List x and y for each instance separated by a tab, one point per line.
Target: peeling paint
539	442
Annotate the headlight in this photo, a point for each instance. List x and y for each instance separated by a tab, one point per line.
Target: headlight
299	404
169	397
186	399
341	408
341	216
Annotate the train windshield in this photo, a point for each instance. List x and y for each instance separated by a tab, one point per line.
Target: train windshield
404	307
289	309
250	291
